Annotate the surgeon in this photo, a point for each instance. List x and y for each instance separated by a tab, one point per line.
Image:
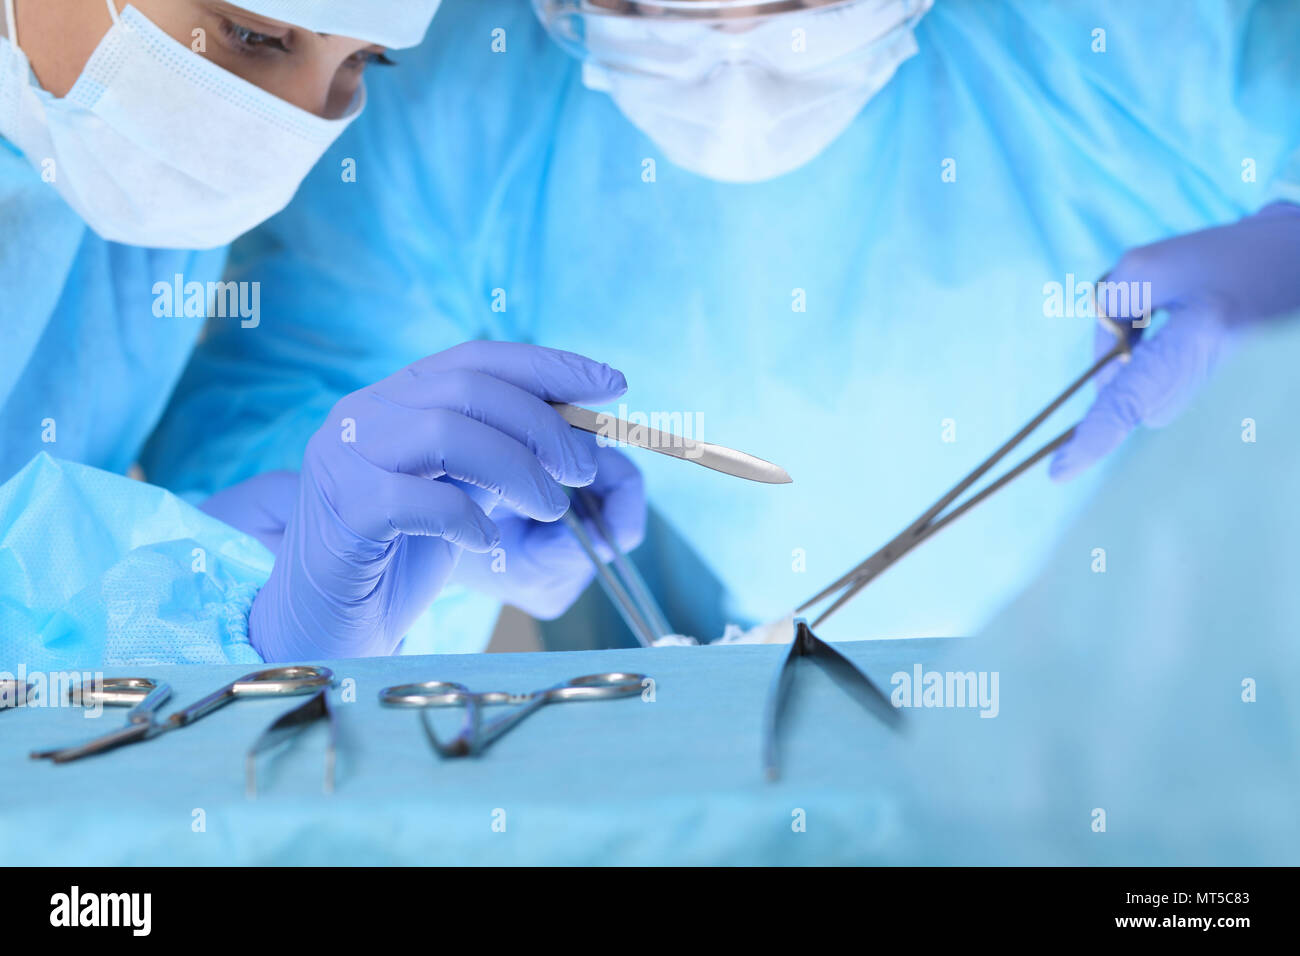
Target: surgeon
857	238
136	141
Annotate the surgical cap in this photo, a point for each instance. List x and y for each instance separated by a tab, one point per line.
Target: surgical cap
390	23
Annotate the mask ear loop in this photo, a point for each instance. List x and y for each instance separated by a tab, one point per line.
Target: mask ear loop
11	23
112	10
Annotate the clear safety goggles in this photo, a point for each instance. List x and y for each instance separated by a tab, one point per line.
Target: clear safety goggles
686	40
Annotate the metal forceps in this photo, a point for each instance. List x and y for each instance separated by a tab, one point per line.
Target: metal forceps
806	644
474	736
144	695
290	724
620	580
934	520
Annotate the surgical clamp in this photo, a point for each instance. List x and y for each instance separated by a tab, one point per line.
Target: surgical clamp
272	682
144	695
931	522
808	645
149	696
474	737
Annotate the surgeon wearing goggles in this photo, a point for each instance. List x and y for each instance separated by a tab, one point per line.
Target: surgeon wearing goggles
746	90
137	140
737	92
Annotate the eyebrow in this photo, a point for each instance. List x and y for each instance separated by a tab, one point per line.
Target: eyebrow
235	9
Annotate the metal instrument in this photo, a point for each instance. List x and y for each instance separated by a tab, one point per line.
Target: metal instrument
934	519
807	645
475	736
315	709
142	694
719	458
272	682
620	580
149	695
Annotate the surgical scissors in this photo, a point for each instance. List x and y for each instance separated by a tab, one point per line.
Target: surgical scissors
272	682
619	579
146	694
149	696
474	737
933	520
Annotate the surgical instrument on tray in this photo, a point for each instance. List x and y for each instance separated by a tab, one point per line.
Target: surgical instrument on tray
475	736
142	694
719	458
619	579
315	709
271	682
843	671
931	522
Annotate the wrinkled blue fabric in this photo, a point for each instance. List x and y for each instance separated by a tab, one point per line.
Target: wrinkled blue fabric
875	322
401	478
1212	285
98	570
96	567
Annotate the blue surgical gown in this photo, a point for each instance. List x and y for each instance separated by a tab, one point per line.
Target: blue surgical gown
876	322
96	568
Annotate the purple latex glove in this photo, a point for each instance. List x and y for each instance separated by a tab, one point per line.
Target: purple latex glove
1214	285
539	566
260	506
381	517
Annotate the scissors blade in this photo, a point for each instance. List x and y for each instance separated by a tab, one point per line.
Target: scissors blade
131	733
729	461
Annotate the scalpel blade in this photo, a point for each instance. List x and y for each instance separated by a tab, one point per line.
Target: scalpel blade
718	457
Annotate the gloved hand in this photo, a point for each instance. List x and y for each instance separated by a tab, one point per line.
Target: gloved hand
1214	284
539	566
381	515
260	506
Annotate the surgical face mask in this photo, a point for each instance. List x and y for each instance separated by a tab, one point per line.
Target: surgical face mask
737	90
157	146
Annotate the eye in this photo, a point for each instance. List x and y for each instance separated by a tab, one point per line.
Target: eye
250	41
364	58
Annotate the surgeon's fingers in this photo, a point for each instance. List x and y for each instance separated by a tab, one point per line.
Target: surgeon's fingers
619	494
509	409
376	505
550	374
620	490
435	442
1146	279
420	506
1152	388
